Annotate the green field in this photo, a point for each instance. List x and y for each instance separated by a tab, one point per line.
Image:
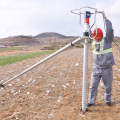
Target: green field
13	48
78	45
5	60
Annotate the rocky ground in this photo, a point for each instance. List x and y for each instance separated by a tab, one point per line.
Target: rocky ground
53	90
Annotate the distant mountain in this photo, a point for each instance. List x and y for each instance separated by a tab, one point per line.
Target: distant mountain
52	34
19	41
43	38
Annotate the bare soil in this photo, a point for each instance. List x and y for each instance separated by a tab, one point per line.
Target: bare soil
53	90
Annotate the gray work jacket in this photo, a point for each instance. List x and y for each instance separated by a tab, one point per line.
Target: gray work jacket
105	60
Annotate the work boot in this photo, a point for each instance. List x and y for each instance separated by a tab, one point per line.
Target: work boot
88	105
109	103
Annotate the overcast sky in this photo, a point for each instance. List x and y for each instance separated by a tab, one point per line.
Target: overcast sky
32	17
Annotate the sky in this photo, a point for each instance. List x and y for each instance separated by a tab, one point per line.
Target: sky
32	17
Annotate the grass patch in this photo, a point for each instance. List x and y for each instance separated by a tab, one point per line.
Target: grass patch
13	48
78	45
11	59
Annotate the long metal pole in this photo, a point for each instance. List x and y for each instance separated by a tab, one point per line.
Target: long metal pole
85	61
85	75
50	56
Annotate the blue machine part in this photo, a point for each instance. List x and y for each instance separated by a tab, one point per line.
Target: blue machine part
87	14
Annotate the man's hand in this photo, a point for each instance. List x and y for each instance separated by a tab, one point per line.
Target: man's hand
105	18
104	15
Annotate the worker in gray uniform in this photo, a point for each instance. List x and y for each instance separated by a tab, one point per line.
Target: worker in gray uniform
103	61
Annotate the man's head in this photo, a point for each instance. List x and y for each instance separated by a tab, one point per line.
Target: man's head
99	34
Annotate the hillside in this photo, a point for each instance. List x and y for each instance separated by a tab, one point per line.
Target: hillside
46	38
54	38
43	38
18	41
52	34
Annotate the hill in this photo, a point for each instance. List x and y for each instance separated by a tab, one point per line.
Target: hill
54	38
52	34
19	41
46	38
43	38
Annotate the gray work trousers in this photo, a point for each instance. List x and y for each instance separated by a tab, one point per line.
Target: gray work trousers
107	75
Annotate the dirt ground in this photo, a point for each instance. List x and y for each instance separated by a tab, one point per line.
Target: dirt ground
53	90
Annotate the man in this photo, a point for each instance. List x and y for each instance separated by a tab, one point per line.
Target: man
103	61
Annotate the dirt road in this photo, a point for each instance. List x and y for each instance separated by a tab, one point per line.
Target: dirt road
53	90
